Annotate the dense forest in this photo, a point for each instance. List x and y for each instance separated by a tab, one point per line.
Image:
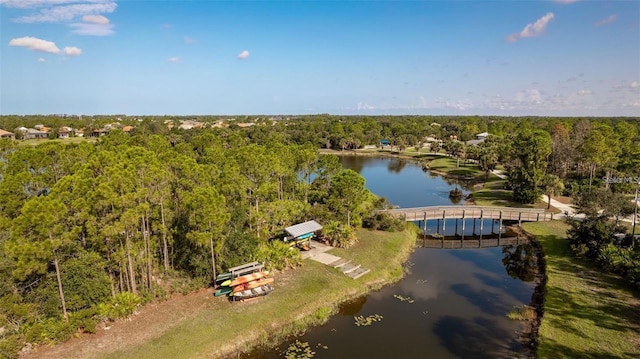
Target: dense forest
90	229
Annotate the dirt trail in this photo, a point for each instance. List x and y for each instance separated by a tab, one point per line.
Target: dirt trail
150	322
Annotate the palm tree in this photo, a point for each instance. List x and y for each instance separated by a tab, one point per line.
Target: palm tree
552	185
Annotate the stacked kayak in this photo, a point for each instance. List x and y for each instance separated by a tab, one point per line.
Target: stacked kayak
253	293
246	286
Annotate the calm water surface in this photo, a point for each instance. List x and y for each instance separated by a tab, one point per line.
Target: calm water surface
456	300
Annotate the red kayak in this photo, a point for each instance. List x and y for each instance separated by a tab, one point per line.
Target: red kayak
252	284
247	278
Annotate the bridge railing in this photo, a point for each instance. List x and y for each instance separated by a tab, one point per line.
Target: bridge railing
488	212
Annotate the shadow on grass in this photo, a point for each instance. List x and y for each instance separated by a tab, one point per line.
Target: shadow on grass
563	351
592	305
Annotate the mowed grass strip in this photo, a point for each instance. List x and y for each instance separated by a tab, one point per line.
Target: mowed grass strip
302	297
587	313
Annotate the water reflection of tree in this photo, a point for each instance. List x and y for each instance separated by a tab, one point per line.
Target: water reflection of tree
353	307
396	165
519	262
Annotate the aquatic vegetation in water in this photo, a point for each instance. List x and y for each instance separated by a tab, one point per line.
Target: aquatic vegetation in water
299	350
425	312
404	299
524	312
421	281
363	321
321	346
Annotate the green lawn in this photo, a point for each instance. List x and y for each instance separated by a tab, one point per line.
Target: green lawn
587	313
493	193
448	165
302	297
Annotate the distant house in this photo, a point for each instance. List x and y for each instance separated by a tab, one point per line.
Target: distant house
482	136
99	132
385	142
479	139
31	133
64	132
7	134
127	129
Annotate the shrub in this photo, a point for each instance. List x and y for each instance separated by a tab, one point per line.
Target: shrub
278	255
85	319
384	222
121	306
339	235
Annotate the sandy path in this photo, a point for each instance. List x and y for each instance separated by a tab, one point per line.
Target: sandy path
150	322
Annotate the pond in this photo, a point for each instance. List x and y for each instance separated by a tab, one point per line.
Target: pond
451	304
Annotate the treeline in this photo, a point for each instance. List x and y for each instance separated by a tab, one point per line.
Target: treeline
90	230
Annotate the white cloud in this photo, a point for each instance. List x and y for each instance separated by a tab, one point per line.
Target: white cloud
634	85
606	21
189	40
41	60
93	25
35	44
92	29
72	51
243	55
62	11
532	30
565	1
95	19
529	96
175	60
365	106
584	92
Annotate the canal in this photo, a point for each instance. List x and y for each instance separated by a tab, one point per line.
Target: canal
451	304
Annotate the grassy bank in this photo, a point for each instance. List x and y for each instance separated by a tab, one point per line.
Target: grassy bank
493	193
303	297
587	313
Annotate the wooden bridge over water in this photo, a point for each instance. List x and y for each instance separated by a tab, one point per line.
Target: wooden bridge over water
470	243
442	213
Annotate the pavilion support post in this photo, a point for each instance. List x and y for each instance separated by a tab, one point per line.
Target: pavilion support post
438	226
481	226
463	224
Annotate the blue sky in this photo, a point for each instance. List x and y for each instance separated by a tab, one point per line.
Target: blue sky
560	58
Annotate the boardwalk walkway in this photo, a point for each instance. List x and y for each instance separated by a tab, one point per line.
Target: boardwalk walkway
318	253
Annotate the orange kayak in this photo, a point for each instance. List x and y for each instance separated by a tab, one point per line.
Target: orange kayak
252	284
247	278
